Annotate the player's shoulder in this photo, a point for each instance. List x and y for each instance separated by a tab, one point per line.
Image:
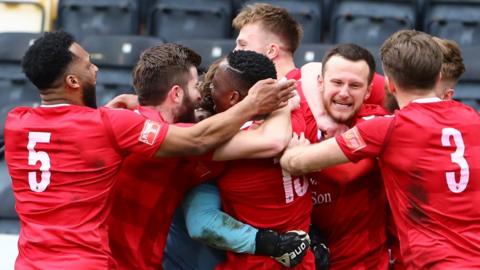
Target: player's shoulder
371	111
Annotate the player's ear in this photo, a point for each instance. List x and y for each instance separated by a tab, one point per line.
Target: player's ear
176	94
390	85
369	90
448	94
72	81
273	51
234	98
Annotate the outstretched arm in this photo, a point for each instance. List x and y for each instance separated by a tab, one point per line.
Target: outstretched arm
264	141
264	97
300	157
207	223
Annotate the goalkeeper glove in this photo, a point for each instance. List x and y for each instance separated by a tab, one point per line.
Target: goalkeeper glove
288	248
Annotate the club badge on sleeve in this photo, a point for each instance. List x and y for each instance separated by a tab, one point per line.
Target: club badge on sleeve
150	132
353	139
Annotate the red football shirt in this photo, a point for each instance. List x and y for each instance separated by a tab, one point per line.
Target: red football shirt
63	160
146	195
350	210
258	193
429	155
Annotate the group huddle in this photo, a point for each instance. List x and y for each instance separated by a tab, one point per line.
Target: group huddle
327	166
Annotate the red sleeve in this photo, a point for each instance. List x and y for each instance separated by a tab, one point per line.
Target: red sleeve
365	140
132	133
347	172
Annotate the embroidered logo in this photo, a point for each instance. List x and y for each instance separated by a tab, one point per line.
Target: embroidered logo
353	139
150	132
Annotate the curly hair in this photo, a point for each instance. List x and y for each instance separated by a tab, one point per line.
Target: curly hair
48	59
161	67
275	20
247	68
205	87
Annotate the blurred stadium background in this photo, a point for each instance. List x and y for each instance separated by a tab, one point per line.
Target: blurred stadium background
115	32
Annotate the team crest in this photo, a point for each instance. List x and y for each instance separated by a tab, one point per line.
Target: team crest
150	132
353	139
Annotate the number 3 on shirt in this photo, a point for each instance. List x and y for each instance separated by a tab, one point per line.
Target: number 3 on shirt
34	157
457	157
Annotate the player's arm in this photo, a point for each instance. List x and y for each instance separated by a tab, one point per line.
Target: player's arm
300	158
310	74
268	140
264	97
123	101
207	223
345	173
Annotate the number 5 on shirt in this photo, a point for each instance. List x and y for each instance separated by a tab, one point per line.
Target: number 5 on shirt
458	158
34	157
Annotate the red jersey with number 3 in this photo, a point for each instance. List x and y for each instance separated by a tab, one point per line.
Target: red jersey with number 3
350	208
63	160
429	155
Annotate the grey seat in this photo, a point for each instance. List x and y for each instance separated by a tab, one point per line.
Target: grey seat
468	88
308	13
370	22
455	19
209	49
9	223
182	19
96	17
115	56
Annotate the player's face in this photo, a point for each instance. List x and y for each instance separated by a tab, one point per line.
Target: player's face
221	91
190	99
252	37
344	88
86	72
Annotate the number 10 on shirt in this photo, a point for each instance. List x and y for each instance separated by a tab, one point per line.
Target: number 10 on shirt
34	157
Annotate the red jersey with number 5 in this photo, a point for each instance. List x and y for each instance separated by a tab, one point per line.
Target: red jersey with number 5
63	160
429	155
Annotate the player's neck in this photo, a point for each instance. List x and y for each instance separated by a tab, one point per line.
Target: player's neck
404	98
284	65
165	111
55	96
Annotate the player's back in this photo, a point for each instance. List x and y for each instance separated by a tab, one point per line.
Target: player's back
431	163
63	160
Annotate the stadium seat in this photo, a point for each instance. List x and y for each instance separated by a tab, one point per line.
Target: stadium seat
22	16
468	88
98	17
307	12
370	22
15	88
314	53
115	57
456	20
185	19
209	49
9	223
310	53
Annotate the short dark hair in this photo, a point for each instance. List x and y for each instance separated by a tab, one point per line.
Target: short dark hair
161	67
247	68
48	58
412	59
351	52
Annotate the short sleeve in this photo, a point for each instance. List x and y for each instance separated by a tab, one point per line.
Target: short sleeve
133	133
366	139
